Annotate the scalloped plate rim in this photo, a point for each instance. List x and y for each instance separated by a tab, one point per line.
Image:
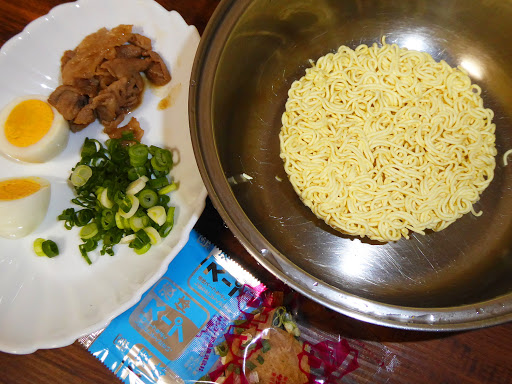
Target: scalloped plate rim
196	210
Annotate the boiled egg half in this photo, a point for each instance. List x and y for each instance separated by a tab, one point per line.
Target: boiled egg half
23	205
32	130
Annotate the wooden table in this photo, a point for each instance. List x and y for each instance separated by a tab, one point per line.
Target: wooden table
385	355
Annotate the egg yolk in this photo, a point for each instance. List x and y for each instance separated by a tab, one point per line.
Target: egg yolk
17	188
28	122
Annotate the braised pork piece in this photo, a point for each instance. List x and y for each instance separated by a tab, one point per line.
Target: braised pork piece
102	79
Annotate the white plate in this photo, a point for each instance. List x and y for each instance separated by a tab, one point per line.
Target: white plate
48	303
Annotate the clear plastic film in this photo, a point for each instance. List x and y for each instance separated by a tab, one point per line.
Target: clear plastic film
209	320
268	345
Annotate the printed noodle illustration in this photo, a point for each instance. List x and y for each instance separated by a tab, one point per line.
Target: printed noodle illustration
381	141
265	346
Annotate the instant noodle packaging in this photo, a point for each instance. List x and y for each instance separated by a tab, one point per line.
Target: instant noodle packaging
208	320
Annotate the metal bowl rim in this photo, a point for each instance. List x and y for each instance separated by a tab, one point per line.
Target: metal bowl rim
472	316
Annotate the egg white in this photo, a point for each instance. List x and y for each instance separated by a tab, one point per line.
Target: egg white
45	149
20	217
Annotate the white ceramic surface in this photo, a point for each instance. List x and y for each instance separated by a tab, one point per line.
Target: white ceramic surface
47	303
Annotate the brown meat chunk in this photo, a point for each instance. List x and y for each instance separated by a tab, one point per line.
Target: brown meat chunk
87	87
157	72
133	125
105	78
102	78
68	101
107	107
128	51
68	55
125	67
85	117
92	51
127	91
140	41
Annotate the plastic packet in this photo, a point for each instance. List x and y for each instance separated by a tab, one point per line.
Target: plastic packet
169	335
207	320
269	345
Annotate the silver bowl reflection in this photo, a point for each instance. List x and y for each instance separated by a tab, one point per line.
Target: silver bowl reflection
249	55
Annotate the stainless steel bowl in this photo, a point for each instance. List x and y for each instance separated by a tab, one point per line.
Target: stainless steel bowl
250	53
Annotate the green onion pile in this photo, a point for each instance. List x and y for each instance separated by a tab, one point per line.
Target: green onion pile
122	190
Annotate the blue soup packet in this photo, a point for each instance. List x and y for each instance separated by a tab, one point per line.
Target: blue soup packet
170	334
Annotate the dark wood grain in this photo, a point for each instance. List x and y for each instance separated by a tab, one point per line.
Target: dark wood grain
385	355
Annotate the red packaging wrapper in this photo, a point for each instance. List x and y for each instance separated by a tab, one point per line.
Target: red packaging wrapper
269	345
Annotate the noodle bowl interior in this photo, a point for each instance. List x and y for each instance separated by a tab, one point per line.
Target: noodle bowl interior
382	141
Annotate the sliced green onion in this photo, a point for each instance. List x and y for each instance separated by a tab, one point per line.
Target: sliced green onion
140	241
117	151
68	215
127	136
154	236
38	247
168	189
108	219
133	203
153	149
157	214
119	197
138	154
126	222
163	200
104	200
148	198
137	223
170	215
136	243
98	191
89	148
83	251
137	185
125	205
83	216
128	239
164	156
159	182
50	248
80	175
136	172
144	216
90	245
158	174
143	249
165	229
143	236
111	238
119	221
161	160
89	231
116	185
